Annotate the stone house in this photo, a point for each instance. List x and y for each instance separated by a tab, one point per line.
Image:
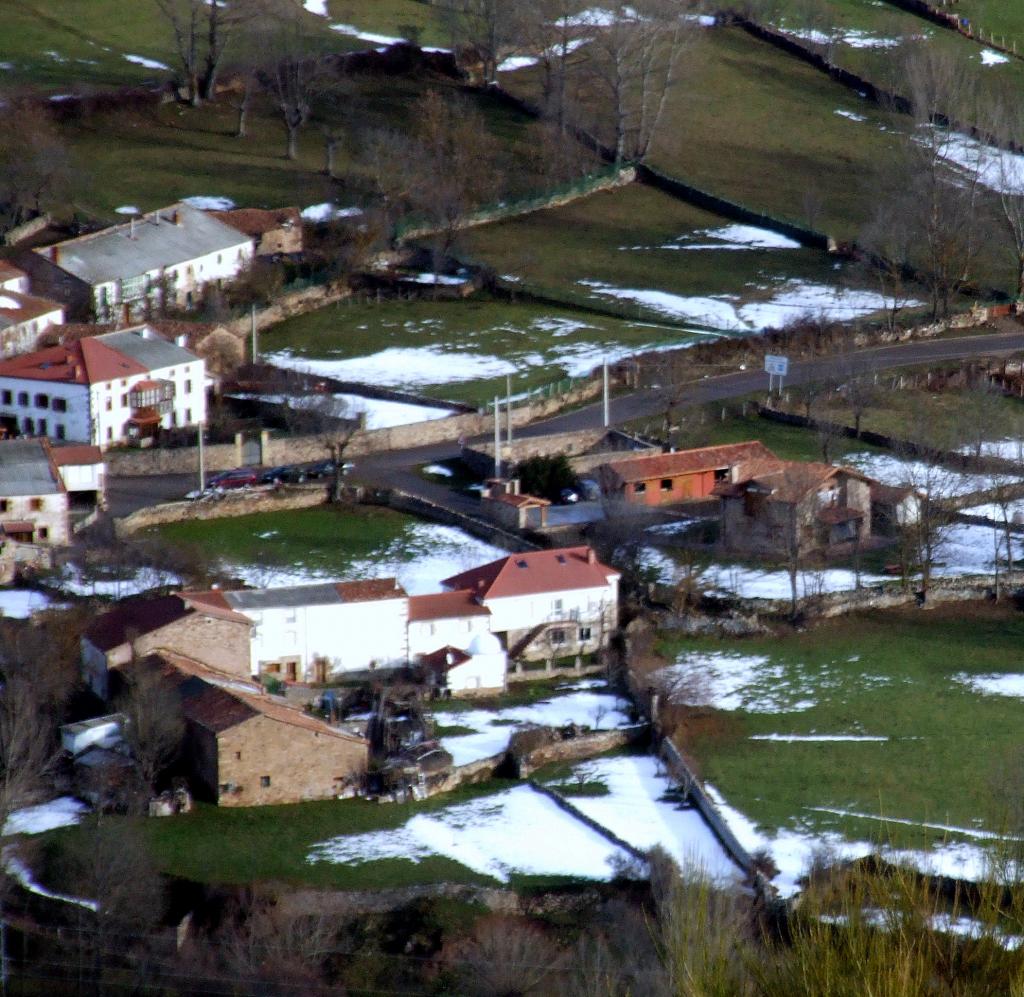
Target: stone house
505	504
776	508
206	630
546	604
247	749
163	257
275	232
667	478
33	497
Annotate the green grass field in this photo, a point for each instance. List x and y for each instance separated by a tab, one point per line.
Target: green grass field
306	544
885	674
463	349
83	43
270	844
149	159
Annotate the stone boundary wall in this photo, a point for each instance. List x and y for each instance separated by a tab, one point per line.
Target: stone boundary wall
290	304
241	503
465	775
585	187
574	445
563	803
297	449
577	748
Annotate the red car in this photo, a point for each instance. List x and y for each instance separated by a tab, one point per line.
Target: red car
242	478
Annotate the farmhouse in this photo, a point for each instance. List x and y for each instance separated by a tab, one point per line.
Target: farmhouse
275	232
23	318
783	509
665	478
207	631
84	474
248	749
33	498
546	604
103	390
310	633
164	257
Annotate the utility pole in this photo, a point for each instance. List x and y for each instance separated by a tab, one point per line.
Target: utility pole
607	410
508	410
497	436
202	461
255	344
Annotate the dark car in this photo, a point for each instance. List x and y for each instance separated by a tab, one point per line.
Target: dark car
321	469
280	473
241	478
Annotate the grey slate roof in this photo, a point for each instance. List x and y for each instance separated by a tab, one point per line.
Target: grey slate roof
25	469
281	598
121	252
151	353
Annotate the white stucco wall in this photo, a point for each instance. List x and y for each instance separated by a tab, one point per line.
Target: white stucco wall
427	636
482	671
526	611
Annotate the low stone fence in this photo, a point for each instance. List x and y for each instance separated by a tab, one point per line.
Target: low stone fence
579	447
290	304
466	775
283	449
241	503
577	748
566	804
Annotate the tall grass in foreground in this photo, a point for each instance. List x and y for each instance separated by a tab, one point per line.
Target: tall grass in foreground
866	929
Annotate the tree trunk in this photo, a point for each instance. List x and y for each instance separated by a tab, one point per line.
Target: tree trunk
293	143
242	124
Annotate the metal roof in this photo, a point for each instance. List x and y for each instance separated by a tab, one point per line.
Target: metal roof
150	243
25	469
286	597
152	351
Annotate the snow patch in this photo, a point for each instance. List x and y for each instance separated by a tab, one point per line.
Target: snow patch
141	60
366	36
517	831
993	685
440	470
127	209
207	202
318	7
792	738
992	58
61	812
329	212
16	868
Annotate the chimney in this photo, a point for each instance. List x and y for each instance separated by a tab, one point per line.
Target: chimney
175	218
156	217
131	228
591	556
55	254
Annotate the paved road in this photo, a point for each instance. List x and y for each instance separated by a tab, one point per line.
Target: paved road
396	468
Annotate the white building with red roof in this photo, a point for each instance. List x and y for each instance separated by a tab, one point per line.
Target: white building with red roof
546	604
103	390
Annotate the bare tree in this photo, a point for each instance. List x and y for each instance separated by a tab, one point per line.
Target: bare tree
636	57
153	727
485	32
34	171
203	30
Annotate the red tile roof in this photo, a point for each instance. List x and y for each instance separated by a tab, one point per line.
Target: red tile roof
85	361
783	480
370	590
212	603
668	465
258	221
445	658
445	606
80	454
538	571
16	307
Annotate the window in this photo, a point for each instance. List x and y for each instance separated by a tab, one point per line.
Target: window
42	401
23	398
289	616
110	405
188	386
60	405
44	533
639	488
556	605
6	397
36	504
110	432
5	505
60	431
225	787
584	634
238	756
188	415
557	637
265	781
124	400
666	484
42	427
30	427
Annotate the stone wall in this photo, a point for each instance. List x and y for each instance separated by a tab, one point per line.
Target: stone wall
300	764
585	448
577	748
241	503
290	304
282	449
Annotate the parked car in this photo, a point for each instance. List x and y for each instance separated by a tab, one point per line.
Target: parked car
568	496
272	474
241	478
